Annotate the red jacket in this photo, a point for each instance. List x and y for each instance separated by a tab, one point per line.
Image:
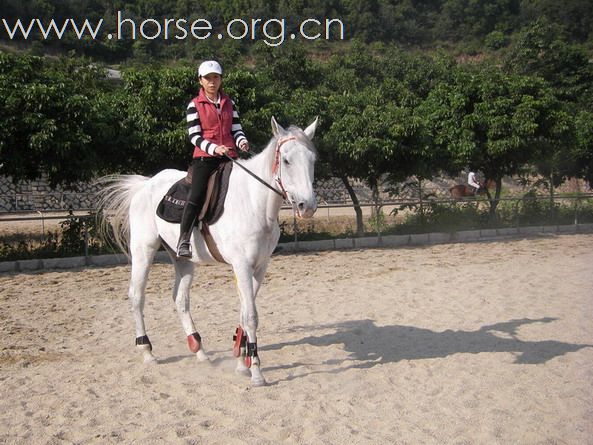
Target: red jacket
216	127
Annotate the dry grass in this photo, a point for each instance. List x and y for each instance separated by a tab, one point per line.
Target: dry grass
332	226
335	221
322	224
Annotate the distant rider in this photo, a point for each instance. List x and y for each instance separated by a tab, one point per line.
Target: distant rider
473	182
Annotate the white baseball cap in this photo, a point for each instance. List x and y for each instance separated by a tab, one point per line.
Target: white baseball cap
209	66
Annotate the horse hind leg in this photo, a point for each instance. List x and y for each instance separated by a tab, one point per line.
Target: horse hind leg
141	262
144	242
184	272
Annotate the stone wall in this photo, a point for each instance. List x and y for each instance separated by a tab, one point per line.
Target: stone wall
37	195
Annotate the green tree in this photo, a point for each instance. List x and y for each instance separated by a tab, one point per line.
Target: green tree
584	147
154	109
543	50
373	131
344	77
493	122
46	112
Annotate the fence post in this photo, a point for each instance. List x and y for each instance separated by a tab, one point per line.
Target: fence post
295	228
517	213
576	210
86	242
42	224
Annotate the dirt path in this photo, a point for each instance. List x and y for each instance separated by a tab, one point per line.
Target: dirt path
400	346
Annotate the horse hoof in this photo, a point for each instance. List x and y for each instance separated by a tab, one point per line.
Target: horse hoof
257	382
202	356
150	360
243	371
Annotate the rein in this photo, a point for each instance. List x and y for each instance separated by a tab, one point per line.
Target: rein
277	170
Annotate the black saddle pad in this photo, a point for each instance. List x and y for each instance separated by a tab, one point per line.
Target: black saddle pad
171	206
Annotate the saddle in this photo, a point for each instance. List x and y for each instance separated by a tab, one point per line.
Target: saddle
172	205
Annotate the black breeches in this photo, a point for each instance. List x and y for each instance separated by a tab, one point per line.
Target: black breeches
201	170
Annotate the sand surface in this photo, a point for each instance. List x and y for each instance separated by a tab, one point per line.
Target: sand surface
385	346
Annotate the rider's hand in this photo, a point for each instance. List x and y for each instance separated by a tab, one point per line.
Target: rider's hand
244	145
221	150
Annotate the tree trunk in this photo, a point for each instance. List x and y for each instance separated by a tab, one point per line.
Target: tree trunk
494	202
420	197
376	207
552	209
357	208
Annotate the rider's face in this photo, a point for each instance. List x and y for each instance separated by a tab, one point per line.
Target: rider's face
211	83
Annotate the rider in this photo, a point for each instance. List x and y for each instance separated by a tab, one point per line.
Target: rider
214	130
473	182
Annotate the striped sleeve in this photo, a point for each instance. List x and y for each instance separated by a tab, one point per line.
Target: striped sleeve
194	130
236	129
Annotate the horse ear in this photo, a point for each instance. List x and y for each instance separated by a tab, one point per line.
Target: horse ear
310	130
277	128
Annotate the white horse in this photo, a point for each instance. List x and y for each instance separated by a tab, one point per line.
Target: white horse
246	234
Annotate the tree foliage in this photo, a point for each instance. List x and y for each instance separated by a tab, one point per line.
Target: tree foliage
385	112
494	122
46	118
430	24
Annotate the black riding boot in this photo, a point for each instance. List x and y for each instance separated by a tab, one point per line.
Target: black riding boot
185	230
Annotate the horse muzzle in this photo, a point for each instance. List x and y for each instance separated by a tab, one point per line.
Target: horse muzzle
306	209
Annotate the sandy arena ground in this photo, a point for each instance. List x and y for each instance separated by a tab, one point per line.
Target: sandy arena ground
385	346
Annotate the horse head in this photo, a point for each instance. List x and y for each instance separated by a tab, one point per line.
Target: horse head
294	166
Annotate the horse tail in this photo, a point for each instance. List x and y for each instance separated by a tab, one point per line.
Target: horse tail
114	199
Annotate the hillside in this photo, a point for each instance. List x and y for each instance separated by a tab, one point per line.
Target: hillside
457	26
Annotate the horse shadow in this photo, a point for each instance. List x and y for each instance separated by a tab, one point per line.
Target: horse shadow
369	345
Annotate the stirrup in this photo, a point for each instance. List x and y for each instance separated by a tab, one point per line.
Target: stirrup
183	250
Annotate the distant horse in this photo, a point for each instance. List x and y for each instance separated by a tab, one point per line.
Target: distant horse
246	233
459	191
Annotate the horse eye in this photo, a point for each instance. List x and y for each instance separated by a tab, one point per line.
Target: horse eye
286	162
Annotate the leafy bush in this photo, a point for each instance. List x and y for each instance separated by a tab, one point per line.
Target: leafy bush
495	40
536	210
79	235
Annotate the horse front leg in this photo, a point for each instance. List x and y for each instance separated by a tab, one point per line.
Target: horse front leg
240	337
184	273
248	325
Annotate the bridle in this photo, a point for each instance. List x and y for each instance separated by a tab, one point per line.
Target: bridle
276	169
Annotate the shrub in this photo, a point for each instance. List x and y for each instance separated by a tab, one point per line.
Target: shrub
495	40
79	235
